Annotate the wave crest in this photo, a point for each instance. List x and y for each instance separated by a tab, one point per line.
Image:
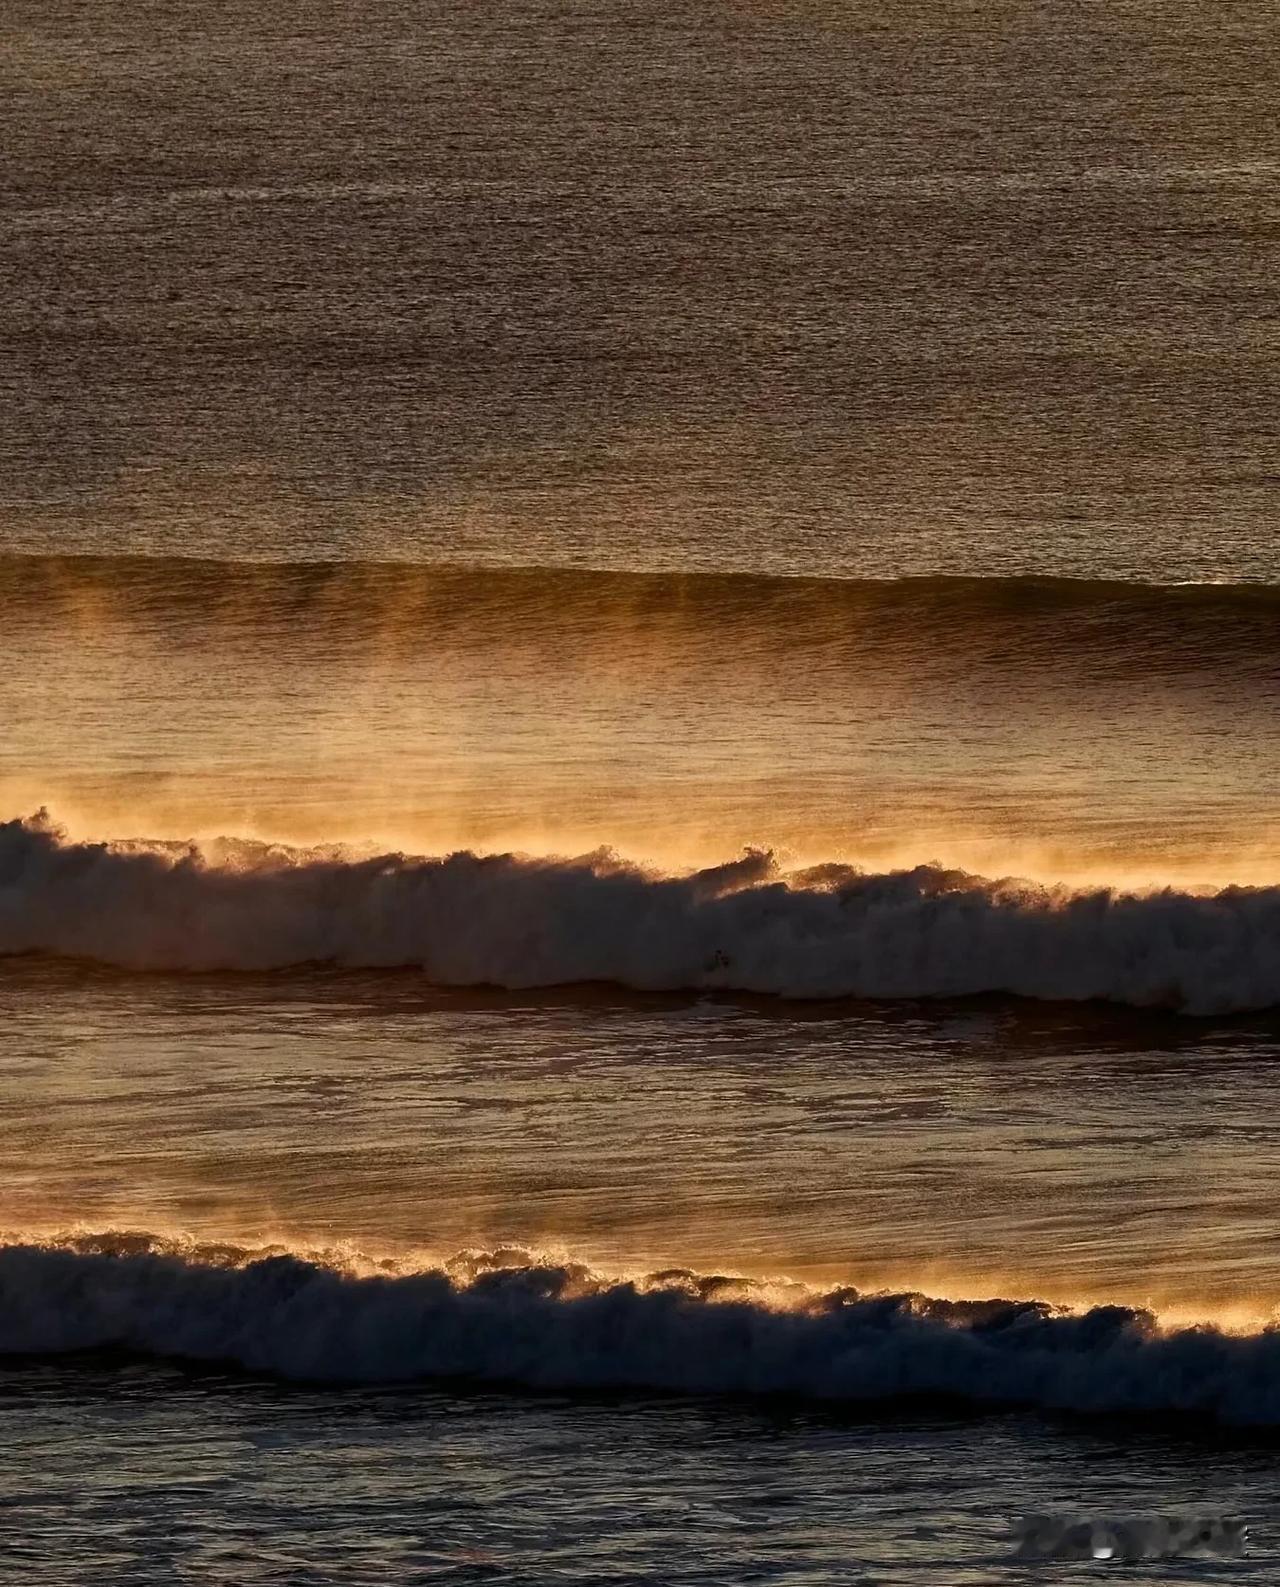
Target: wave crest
506	1317
513	921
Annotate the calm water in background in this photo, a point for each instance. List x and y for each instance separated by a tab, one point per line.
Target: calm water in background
800	287
730	313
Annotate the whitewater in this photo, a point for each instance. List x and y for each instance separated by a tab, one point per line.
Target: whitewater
510	1318
507	920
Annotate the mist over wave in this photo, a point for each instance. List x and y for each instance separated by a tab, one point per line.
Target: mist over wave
508	920
1074	730
511	1317
1167	628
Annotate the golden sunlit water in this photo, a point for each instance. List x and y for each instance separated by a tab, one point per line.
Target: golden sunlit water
678	720
639	724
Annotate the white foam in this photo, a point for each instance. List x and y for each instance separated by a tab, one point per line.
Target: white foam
513	921
538	1325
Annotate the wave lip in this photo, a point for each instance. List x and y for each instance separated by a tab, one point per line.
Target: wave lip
518	922
531	1324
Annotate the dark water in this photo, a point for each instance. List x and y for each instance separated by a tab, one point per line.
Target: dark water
647	433
205	1479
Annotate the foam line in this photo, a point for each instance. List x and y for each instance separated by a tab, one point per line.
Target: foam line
485	1320
512	921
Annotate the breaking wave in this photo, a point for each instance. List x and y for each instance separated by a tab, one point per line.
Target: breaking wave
519	922
510	1318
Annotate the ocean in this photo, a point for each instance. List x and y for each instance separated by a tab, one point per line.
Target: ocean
639	723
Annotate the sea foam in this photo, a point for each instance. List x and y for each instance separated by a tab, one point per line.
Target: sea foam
513	921
514	1319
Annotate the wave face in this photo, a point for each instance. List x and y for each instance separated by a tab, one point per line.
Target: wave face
1142	626
1074	730
509	1318
518	922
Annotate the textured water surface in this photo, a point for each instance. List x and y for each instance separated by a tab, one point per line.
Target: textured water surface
638	697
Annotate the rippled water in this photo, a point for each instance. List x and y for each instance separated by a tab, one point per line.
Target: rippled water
228	1481
778	284
978	1149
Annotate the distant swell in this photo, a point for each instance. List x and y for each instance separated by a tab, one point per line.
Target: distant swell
518	922
1171	630
39	576
514	1320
